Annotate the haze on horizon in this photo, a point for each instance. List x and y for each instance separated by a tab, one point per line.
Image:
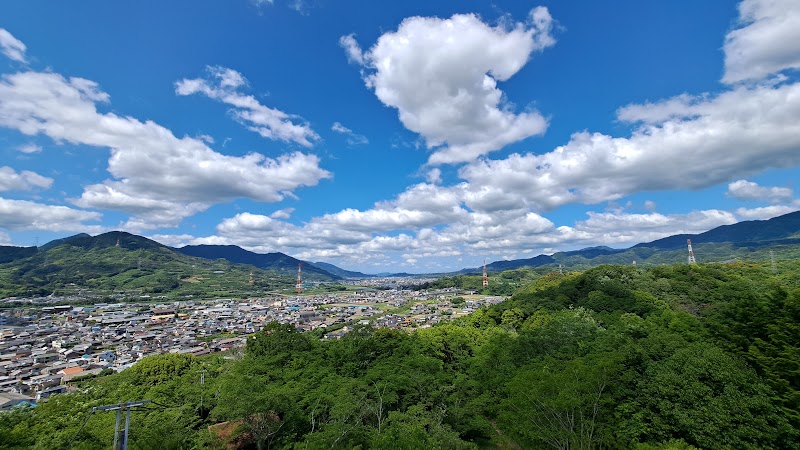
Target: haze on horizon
409	137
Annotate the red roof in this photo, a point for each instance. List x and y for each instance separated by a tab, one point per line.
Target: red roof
71	370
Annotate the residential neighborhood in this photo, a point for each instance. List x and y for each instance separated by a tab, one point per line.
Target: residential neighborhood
44	349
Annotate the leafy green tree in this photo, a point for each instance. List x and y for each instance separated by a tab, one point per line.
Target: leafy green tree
707	398
559	404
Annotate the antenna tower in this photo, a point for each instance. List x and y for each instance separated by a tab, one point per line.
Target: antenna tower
251	278
485	276
691	253
299	287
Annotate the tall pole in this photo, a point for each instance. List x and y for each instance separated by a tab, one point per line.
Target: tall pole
299	287
127	425
116	427
202	385
485	276
121	436
772	261
691	253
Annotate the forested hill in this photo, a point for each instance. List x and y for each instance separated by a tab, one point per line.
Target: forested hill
277	261
748	240
786	226
118	261
341	272
670	357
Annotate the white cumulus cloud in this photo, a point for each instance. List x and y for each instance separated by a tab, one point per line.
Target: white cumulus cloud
157	176
748	190
711	140
26	215
766	212
767	41
22	181
442	74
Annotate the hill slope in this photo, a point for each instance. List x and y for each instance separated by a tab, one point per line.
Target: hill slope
9	253
119	262
786	226
278	262
340	272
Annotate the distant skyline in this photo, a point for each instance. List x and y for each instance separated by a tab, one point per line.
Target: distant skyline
407	137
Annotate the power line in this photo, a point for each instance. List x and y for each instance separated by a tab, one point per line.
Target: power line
69	446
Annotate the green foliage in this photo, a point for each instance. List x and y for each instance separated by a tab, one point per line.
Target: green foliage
708	398
673	357
502	283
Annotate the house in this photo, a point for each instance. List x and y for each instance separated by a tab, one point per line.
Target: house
49	392
70	372
10	400
45	358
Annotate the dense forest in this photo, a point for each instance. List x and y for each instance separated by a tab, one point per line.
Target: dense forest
669	357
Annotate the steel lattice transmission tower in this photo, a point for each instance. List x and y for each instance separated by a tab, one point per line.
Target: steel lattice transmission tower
299	287
485	276
691	253
772	261
251	278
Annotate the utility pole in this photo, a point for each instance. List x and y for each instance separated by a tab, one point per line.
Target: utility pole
202	387
116	429
121	436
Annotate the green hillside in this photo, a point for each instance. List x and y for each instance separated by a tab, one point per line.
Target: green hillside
671	357
118	263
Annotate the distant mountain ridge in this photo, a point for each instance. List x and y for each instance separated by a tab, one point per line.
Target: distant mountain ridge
781	227
121	263
341	272
743	239
272	261
732	240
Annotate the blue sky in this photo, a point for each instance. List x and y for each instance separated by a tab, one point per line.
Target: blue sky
413	136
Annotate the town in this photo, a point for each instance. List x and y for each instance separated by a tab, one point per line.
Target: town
44	350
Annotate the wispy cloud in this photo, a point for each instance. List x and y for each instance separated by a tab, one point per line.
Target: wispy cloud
223	84
12	47
352	138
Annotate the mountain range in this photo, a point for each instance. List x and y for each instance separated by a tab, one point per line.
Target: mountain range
277	261
753	240
120	260
120	263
